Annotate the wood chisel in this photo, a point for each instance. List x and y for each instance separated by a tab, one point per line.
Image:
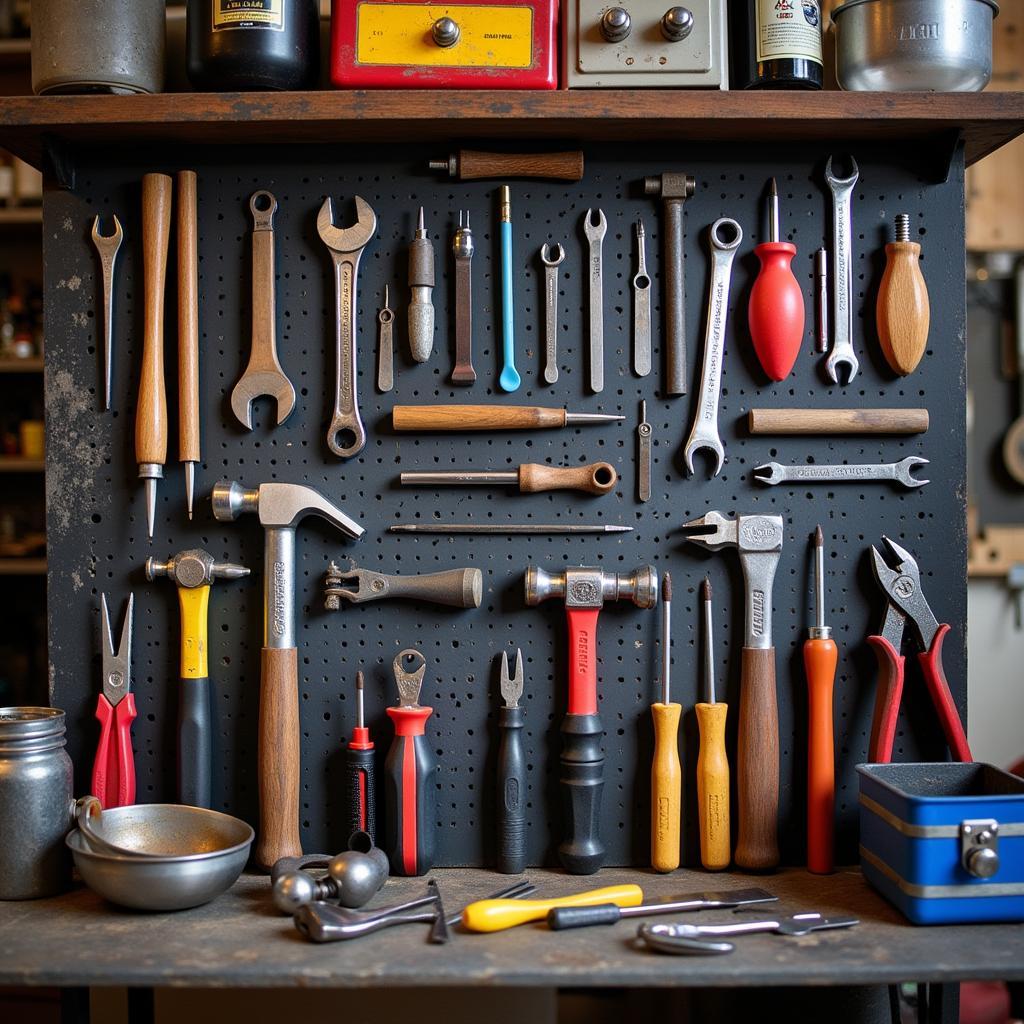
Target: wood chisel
113	770
189	439
666	774
360	774
511	771
596	478
497	915
491	417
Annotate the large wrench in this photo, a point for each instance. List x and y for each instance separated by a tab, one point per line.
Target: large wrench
346	246
705	425
898	472
842	273
641	307
107	246
551	308
595	236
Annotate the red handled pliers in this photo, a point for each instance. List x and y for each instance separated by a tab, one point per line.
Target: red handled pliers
902	586
113	771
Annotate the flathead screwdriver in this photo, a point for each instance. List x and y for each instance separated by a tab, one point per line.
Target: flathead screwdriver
360	777
666	774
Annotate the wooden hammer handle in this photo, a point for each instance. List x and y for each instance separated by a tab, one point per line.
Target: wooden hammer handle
475	417
472	165
838	421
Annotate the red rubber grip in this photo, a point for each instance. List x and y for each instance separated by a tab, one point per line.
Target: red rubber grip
935	679
776	310
113	771
582	660
412	799
887	700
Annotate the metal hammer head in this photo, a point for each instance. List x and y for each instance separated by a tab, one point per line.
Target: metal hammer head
279	506
591	588
670	185
194	568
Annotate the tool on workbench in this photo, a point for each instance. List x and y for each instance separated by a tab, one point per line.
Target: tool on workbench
421	287
280	508
497	915
360	773
551	264
471	165
584	591
1013	442
107	247
113	770
821	299
837	421
509	379
456	588
385	345
666	774
517	891
189	439
907	605
712	760
509	528
491	417
689	939
463	249
897	472
641	306
725	238
776	309
842	353
263	375
562	918
758	539
409	770
595	232
820	658
193	572
595	478
673	189
151	411
511	771
346	434
643	455
902	314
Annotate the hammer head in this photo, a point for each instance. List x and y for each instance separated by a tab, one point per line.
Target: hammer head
670	185
279	506
591	588
194	568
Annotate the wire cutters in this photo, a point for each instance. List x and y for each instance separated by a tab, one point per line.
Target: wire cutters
902	586
113	772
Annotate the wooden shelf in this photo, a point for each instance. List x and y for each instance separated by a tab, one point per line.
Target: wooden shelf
21	215
16	464
33	365
22	566
985	121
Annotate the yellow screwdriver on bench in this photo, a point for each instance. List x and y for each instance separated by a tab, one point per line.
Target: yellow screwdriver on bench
497	915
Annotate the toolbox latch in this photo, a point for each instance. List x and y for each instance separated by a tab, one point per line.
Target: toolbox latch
979	847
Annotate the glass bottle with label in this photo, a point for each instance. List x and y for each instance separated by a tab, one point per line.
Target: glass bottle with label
776	44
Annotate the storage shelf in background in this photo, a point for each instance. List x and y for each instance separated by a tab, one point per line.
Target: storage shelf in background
16	464
21	215
22	566
33	365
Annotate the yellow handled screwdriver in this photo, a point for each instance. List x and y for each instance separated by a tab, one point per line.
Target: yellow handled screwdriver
712	761
496	915
666	775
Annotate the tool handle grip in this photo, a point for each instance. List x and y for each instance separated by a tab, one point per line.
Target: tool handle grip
361	785
496	915
902	313
113	771
473	165
887	700
581	852
455	588
820	659
758	762
195	743
511	791
713	787
935	679
666	788
410	796
475	417
561	918
776	310
595	478
188	320
837	421
582	623
508	332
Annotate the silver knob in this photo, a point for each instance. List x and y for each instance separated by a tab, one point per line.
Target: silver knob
445	32
982	862
615	24
676	24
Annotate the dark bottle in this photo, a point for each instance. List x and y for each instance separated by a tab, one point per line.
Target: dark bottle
776	44
253	44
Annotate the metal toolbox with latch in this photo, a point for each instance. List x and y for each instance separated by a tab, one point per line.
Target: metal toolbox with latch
944	842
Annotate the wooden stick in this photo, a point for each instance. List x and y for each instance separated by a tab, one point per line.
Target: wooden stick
838	421
475	417
188	320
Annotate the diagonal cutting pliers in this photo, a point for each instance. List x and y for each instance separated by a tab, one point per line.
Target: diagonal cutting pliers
907	605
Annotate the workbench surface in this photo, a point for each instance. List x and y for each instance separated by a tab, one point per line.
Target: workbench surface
240	940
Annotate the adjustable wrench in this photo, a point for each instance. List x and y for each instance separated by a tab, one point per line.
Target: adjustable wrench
595	236
641	307
346	246
705	425
551	309
842	273
107	246
898	472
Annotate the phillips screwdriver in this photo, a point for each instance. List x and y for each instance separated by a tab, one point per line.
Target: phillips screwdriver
712	761
113	771
820	657
902	313
511	771
596	478
421	284
666	775
776	310
496	915
360	777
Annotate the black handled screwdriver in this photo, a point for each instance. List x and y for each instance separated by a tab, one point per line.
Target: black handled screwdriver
360	777
511	772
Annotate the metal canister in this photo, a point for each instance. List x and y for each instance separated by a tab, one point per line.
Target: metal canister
36	803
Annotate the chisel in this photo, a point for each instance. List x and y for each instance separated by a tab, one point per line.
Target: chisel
666	775
491	417
496	915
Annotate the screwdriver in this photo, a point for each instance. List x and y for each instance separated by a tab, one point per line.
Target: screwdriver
511	771
712	761
666	775
359	773
596	478
496	915
902	313
820	657
492	417
189	441
776	310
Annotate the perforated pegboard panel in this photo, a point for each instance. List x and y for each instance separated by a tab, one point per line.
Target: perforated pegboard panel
97	521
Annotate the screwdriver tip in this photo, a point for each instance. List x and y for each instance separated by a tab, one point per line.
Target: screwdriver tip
420	223
666	587
705	589
819	537
773	189
359	680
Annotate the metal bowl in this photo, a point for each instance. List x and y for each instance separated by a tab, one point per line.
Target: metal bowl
191	856
914	45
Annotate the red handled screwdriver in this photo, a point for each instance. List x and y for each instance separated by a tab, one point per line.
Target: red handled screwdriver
113	771
360	777
776	311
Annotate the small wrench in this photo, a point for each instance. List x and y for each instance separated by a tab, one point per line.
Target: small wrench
898	472
641	307
346	246
385	346
595	235
842	273
107	246
463	249
643	434
551	309
705	425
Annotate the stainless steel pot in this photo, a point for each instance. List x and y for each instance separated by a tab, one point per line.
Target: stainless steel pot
914	45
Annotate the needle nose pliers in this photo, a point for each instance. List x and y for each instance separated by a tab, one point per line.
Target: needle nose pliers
113	771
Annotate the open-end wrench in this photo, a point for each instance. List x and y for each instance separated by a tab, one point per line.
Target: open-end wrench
705	425
842	273
595	236
641	307
346	246
263	375
107	246
551	308
898	472
385	345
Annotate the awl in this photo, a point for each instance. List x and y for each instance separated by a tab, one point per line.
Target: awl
491	417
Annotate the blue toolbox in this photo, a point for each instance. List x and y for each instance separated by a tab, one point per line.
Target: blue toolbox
944	842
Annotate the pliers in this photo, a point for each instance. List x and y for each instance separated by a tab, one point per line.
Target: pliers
902	586
113	771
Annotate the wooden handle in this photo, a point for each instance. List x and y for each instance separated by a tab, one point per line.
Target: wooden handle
151	414
473	164
820	658
838	421
666	788
902	313
188	319
475	417
758	763
278	780
713	787
596	478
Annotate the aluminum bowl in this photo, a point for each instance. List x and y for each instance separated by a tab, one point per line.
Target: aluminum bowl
191	855
914	45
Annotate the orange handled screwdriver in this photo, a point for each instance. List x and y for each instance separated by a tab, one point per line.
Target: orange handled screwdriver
820	657
666	774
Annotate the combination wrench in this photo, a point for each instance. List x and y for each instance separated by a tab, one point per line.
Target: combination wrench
898	472
842	273
705	425
595	236
551	264
346	246
641	307
107	247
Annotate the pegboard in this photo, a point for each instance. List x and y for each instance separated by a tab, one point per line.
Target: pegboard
97	529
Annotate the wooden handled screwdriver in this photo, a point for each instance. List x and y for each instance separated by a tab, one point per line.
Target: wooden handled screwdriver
188	333
902	313
491	417
666	774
